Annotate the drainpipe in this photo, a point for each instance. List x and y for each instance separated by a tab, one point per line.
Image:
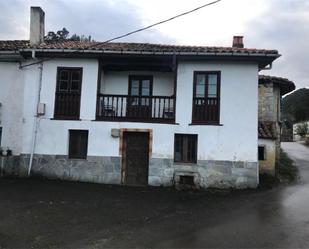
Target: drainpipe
36	118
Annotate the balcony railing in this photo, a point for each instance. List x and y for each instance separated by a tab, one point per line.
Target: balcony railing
205	110
135	108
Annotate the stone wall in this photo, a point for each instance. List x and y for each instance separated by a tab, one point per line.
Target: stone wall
207	174
95	169
9	165
162	172
267	110
268	166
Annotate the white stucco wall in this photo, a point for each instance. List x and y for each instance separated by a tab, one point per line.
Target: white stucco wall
234	140
117	82
46	136
11	99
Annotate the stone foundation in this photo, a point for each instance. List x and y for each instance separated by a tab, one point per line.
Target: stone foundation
95	169
9	166
207	174
162	172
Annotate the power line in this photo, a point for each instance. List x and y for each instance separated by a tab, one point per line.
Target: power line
136	31
158	23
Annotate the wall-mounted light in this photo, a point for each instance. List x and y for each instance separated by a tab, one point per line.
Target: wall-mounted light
115	133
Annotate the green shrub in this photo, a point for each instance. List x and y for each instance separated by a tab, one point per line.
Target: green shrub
287	171
302	129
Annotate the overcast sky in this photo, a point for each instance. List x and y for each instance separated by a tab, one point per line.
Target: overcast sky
270	24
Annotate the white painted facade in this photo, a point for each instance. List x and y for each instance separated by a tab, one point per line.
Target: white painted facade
117	82
234	140
11	109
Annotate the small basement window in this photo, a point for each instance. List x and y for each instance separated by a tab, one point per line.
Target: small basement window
78	144
262	153
186	180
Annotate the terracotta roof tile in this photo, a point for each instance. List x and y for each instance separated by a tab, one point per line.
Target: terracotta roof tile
267	130
138	47
13	45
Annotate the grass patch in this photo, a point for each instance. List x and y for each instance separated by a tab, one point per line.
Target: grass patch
287	171
268	181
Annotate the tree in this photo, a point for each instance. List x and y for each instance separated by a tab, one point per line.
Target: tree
302	129
76	37
295	106
62	35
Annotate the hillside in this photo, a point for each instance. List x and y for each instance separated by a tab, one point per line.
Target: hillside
295	107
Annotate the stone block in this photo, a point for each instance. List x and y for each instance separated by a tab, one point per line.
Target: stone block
167	181
117	167
251	165
155	163
244	172
193	168
220	182
155	181
238	164
168	172
116	160
108	168
241	182
154	171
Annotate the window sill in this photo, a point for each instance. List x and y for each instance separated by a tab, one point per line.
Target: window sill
66	119
184	164
136	121
77	159
207	124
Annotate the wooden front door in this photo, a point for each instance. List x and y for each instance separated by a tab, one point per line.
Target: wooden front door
136	152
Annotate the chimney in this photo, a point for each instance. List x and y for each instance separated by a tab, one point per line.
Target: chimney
238	42
37	26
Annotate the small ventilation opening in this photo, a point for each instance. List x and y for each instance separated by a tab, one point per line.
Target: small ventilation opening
261	152
186	180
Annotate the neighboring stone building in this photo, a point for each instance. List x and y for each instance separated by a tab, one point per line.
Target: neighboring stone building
271	90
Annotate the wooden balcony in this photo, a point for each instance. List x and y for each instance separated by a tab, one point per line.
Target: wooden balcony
154	109
205	111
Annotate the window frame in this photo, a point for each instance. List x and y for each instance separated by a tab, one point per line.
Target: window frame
184	156
68	91
206	73
140	78
79	155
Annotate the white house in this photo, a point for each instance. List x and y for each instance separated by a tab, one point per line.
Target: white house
131	113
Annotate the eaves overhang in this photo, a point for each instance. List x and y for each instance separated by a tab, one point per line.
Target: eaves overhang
11	56
263	59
